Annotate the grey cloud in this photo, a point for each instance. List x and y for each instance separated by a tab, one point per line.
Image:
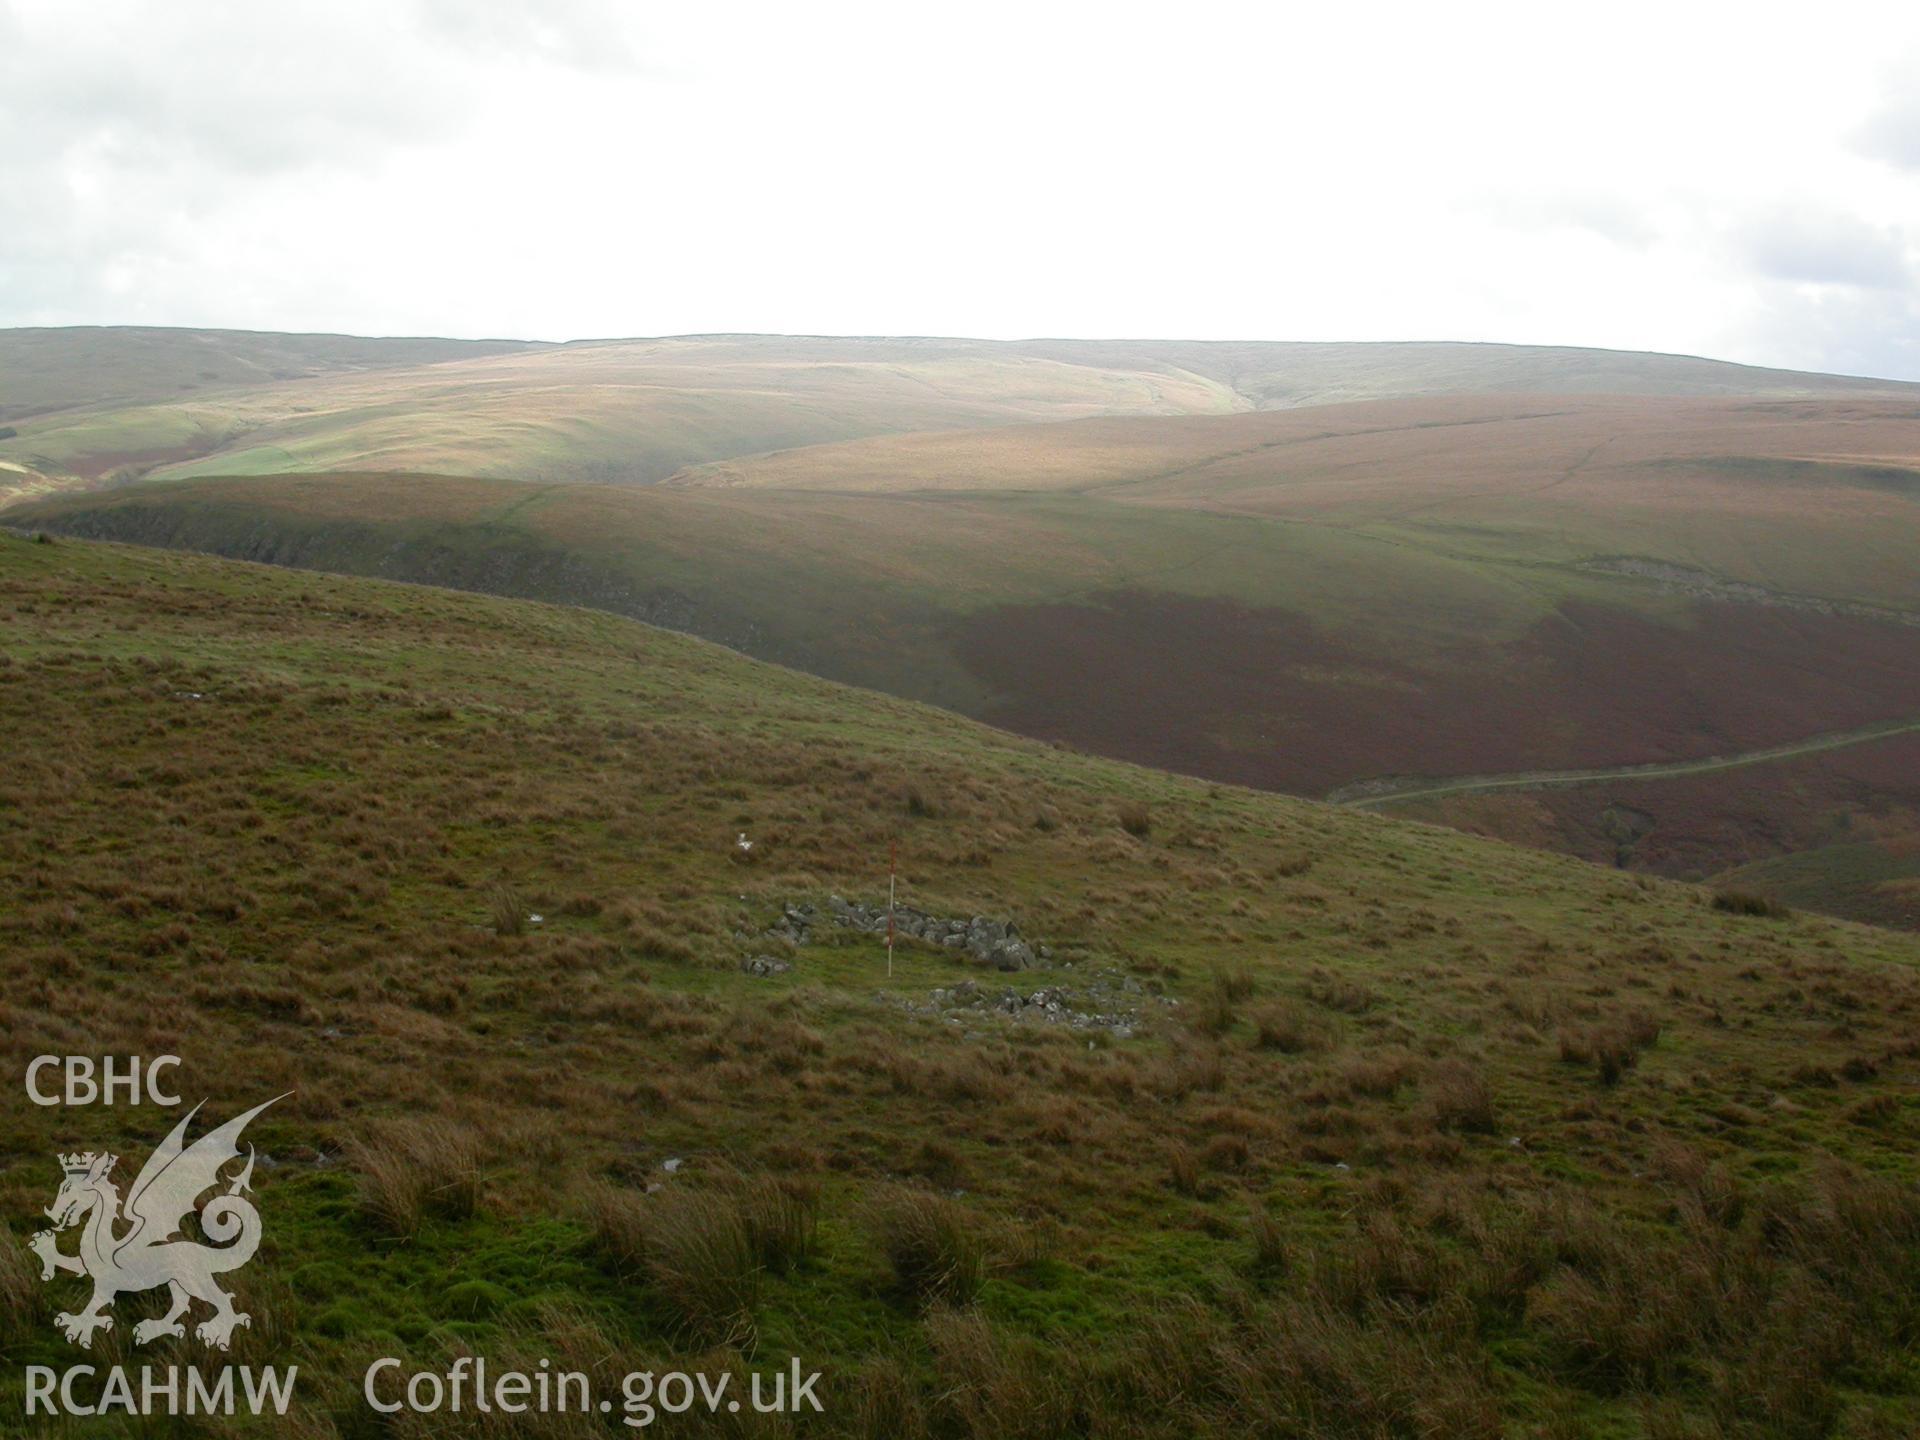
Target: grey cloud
252	89
1810	248
1891	132
1848	332
126	134
1893	135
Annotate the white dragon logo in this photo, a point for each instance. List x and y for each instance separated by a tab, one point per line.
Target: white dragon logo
150	1250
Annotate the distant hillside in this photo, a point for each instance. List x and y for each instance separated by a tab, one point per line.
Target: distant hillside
555	932
612	411
1278	375
65	368
94	405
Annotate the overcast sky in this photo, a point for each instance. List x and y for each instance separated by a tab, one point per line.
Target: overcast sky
1728	180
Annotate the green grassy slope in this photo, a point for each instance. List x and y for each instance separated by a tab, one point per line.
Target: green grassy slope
1869	878
1443	1138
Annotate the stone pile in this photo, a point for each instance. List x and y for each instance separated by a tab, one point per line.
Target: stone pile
982	940
1112	1003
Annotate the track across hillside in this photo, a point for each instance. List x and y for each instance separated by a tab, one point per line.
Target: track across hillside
1368	794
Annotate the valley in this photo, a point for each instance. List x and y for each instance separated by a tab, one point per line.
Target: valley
1494	581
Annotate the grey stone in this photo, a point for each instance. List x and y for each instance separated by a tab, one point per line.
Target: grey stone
988	942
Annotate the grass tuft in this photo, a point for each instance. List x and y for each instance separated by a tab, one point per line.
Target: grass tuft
782	1220
1747	902
1269	1241
1462	1099
703	1260
414	1170
616	1218
508	912
20	1288
1613	1047
929	1242
1285	1026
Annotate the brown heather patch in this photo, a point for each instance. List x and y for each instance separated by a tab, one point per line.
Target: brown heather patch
1160	678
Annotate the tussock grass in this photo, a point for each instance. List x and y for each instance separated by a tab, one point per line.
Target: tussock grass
616	1218
20	1287
1462	1098
1748	902
931	1245
704	1260
706	1248
413	1170
508	909
1348	997
1183	1168
1287	1027
569	1339
1612	1047
1292	1367
941	1162
1376	1075
781	1218
1269	1239
1229	986
1001	1385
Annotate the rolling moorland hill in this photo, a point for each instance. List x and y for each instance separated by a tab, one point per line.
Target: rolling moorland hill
1323	1122
69	367
1359	600
104	404
1279	375
611	411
